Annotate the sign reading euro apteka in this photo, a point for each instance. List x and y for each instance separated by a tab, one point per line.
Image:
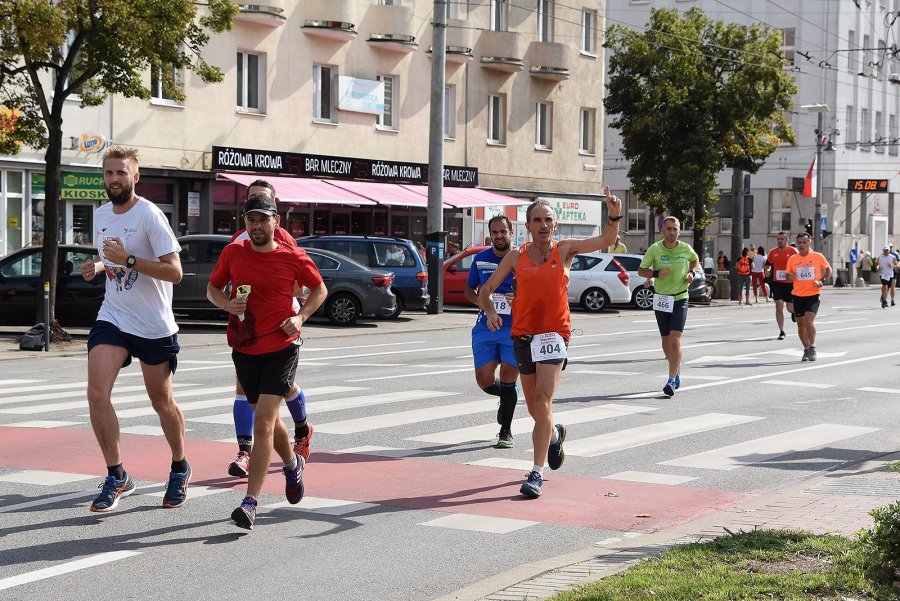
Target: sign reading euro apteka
226	158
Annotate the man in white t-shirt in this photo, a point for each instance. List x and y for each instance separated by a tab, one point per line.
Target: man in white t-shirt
887	262
139	257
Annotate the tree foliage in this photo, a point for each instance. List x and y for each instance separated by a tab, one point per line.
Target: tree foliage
691	97
53	49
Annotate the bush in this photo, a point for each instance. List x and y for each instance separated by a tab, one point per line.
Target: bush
881	542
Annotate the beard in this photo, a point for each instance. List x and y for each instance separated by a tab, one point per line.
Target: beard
122	197
501	246
260	238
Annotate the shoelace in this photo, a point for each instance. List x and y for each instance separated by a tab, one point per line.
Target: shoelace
176	482
108	485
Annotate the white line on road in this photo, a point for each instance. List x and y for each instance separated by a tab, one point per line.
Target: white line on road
65	568
82	404
414	375
9	382
344	348
479	523
403	418
796	383
81	392
415	350
650	478
600	372
881	390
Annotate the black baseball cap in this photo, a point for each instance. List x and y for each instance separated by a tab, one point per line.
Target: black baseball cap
260	203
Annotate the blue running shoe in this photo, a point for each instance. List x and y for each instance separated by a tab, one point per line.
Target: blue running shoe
677	380
176	490
670	387
113	490
293	481
532	486
555	453
245	515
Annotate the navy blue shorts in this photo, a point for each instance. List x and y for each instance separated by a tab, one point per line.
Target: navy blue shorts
674	321
151	351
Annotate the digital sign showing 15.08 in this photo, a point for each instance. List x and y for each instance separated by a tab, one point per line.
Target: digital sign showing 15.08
867	185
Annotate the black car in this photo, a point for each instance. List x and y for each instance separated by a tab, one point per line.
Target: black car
77	301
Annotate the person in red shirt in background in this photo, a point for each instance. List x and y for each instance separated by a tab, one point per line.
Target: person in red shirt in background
781	287
262	330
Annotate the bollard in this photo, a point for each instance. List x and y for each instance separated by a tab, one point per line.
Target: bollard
46	317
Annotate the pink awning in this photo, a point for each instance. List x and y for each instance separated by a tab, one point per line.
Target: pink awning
474	197
305	190
386	194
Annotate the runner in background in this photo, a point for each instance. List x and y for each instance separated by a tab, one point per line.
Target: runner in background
781	286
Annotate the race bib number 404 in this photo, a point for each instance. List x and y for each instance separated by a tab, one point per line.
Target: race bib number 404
663	302
548	346
501	304
806	274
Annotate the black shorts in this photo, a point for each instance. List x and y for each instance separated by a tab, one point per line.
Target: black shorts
269	373
806	304
885	282
781	291
522	350
151	351
674	321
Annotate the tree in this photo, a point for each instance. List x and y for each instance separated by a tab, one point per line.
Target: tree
52	49
692	96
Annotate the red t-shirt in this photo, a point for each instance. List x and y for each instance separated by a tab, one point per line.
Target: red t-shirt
281	235
271	276
778	260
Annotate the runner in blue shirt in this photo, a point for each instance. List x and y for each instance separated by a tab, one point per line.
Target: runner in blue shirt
491	349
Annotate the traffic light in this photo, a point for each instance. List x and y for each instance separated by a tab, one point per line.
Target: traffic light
825	234
808	227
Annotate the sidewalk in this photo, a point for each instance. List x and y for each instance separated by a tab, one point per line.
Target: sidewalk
835	502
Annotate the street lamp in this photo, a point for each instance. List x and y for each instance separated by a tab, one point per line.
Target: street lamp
821	109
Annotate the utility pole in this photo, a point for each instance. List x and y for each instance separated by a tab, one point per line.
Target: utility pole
436	237
737	229
817	220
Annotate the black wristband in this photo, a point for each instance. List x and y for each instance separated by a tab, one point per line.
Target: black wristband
616	218
656	273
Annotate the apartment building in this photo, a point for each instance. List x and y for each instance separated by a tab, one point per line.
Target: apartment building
843	55
330	100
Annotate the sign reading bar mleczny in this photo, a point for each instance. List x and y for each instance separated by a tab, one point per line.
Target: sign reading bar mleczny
867	185
316	165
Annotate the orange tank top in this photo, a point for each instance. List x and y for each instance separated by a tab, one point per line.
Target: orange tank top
541	303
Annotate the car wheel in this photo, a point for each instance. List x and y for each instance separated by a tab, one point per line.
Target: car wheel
343	309
400	307
594	300
643	297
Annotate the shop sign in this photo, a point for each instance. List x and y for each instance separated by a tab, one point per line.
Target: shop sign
360	95
577	212
13	221
193	207
92	142
8	118
74	186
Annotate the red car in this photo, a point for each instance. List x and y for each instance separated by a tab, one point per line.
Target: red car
456	273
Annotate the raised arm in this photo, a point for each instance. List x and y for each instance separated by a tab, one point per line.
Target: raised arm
574	246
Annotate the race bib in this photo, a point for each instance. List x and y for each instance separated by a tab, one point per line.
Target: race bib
780	274
501	304
806	274
547	346
664	303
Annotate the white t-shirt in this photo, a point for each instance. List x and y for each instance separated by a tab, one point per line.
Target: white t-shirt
709	263
135	302
885	266
758	263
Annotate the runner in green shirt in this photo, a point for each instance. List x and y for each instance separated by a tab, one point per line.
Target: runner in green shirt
671	263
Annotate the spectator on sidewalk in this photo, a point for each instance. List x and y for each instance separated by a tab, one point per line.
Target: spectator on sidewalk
709	265
758	273
865	266
723	261
743	272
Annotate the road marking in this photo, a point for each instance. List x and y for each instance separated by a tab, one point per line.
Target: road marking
414	375
80	392
322	506
743	357
525	424
42	424
381	451
650	478
415	350
479	523
881	390
594	446
691	376
769	447
147	430
10	382
505	463
82	404
194	491
65	568
43	478
795	383
404	418
600	372
344	348
691	327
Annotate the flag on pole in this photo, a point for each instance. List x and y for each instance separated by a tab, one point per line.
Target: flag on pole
809	184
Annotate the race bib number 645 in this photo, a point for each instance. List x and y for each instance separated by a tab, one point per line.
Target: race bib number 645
548	346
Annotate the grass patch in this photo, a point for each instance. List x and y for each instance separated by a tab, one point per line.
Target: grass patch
762	564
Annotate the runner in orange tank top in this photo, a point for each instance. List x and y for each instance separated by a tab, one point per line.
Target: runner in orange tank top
541	325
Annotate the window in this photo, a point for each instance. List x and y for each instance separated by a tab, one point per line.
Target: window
851	126
893	136
589	32
780	214
867	56
584	262
449	112
388	118
545	20
496	129
878	67
323	262
879	132
852	56
637	214
251	82
393	255
457	9
190	252
164	82
788	35
586	139
389	2
543	125
865	130
324	78
499	15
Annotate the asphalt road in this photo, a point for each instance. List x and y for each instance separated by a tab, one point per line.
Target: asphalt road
406	497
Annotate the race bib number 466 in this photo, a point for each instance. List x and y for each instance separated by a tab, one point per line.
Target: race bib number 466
548	346
663	302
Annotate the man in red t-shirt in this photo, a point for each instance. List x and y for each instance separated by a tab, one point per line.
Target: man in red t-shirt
781	287
261	331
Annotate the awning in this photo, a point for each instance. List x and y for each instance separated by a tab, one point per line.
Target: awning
386	194
463	198
305	190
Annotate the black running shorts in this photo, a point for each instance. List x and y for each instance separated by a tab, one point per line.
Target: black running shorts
269	373
806	304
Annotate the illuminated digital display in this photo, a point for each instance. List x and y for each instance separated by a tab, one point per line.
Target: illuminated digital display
867	185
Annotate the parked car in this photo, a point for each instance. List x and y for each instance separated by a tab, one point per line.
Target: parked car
597	280
77	301
642	296
396	255
354	290
456	274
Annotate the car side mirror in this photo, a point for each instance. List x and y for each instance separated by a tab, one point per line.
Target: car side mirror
452	268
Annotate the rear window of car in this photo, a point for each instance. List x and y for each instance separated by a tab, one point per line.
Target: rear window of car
29	265
584	262
73	259
323	262
629	263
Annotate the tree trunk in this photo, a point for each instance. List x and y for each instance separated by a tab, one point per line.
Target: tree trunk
50	254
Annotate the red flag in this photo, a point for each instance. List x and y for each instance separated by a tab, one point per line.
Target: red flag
809	184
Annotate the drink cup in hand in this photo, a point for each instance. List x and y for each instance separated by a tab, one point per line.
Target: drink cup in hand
243	291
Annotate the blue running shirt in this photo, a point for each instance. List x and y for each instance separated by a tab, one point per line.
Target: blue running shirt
484	264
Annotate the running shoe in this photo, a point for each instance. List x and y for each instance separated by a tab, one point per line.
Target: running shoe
112	491
793	318
883	304
176	490
555	453
301	445
240	467
677	380
781	335
669	388
245	515
805	355
811	353
532	486
293	481
892	303
504	439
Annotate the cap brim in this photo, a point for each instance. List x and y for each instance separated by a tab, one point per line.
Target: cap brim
269	212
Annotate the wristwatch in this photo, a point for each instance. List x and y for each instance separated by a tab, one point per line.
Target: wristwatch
130	261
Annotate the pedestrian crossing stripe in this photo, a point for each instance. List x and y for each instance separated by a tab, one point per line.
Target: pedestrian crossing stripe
333	507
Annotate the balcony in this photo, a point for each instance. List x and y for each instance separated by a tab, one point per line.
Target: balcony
269	13
391	28
502	51
331	19
550	60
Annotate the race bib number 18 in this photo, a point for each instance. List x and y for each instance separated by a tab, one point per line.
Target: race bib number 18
501	304
547	346
806	274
